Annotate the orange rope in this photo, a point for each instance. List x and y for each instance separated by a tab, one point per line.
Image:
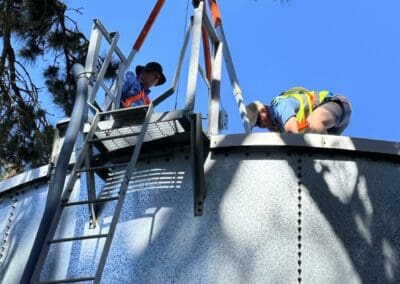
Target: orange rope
148	24
216	14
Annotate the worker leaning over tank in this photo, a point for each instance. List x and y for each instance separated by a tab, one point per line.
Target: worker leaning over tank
299	110
136	88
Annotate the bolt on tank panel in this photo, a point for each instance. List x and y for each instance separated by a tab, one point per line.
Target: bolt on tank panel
351	220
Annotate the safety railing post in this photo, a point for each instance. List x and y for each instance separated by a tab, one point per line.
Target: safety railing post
194	58
214	104
93	50
237	91
178	69
216	15
103	69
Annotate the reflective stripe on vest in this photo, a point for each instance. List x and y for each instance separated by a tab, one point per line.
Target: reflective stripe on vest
319	99
141	96
308	100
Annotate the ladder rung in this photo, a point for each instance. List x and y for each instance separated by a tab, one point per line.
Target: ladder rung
71	280
102	167
100	200
78	238
114	137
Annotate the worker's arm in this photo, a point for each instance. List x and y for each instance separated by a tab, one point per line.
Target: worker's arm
285	115
291	125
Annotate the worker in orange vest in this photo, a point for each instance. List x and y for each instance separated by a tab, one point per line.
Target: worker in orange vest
299	110
136	88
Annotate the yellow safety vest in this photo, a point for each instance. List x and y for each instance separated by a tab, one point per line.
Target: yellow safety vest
308	100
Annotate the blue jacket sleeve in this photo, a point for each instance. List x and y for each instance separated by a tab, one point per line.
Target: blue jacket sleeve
131	86
283	110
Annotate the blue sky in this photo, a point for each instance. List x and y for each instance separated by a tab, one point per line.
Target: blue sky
348	47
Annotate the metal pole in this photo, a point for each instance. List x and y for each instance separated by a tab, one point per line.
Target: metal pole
237	91
194	58
91	187
146	28
177	74
57	182
213	111
182	53
216	15
122	192
93	50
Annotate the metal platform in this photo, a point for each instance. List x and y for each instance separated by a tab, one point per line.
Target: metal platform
123	126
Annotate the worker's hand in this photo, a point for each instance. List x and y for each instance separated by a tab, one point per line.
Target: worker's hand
291	126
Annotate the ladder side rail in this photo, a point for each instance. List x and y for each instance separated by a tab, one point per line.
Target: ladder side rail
56	186
81	157
122	193
90	187
46	247
65	196
74	280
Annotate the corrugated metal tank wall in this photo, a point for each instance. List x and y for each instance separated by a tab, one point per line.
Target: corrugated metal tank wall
273	214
